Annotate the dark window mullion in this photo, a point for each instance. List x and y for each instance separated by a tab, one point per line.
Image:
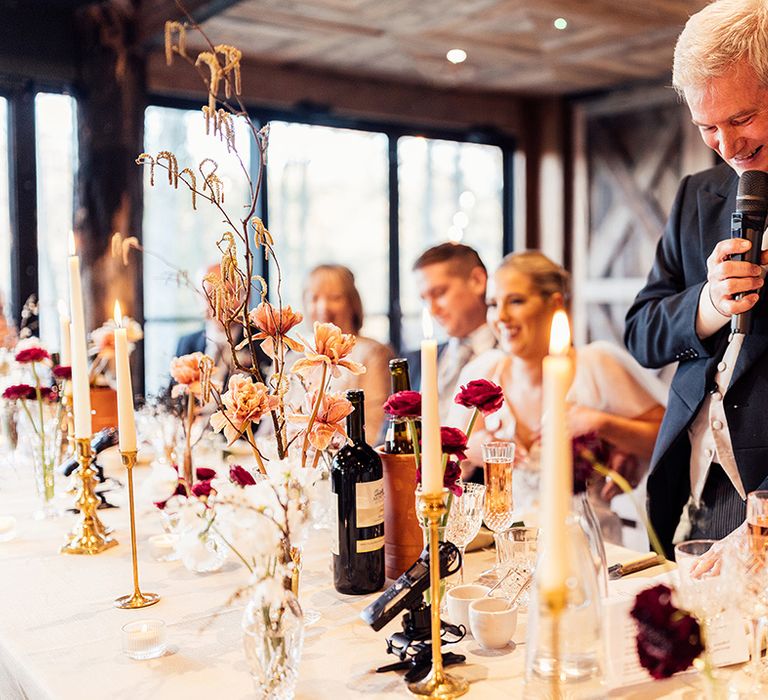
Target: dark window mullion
395	315
22	179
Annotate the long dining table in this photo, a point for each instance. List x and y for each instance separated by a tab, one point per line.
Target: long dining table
60	635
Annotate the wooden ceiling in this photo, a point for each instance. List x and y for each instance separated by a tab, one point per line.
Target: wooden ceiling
512	45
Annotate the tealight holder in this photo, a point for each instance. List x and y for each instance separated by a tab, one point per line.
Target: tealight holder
7	528
144	639
163	547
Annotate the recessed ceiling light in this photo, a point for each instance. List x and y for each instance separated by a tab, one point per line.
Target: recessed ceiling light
456	56
561	23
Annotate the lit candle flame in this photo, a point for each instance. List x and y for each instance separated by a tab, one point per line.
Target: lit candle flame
63	310
118	315
427	327
560	335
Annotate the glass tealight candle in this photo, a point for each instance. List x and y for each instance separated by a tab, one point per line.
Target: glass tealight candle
163	547
144	639
7	528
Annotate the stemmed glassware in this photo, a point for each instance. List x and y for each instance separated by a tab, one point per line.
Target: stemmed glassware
465	519
498	459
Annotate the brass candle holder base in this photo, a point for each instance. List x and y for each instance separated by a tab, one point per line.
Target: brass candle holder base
89	535
137	599
437	684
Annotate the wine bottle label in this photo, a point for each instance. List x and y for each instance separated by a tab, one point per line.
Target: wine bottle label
369	503
371	545
335	525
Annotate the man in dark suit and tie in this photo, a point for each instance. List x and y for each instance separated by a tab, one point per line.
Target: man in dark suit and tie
451	280
712	448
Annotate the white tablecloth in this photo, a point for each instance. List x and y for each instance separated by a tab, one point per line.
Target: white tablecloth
60	634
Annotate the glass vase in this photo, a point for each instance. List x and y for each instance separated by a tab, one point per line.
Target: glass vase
273	637
564	649
40	447
586	517
202	552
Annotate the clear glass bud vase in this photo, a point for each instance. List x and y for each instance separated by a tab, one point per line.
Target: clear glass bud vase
585	515
564	650
273	636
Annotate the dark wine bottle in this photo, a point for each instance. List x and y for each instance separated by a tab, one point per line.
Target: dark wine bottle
357	500
397	439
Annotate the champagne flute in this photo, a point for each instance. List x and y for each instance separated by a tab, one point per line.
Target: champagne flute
465	519
498	510
498	458
757	523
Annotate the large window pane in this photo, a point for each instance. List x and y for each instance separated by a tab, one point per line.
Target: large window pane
56	134
329	203
448	191
5	219
178	238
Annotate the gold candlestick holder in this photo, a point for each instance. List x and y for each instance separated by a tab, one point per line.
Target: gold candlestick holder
137	599
437	684
89	535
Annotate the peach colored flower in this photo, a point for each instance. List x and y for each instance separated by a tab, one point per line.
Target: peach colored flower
186	371
273	325
331	348
334	408
245	402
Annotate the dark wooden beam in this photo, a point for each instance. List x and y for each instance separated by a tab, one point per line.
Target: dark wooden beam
23	197
153	14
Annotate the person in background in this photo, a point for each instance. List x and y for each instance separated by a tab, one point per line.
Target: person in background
451	280
330	296
7	331
713	444
611	397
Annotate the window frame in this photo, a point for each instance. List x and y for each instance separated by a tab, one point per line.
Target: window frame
318	115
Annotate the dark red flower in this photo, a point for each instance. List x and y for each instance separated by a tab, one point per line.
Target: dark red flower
668	639
202	489
588	450
62	372
404	404
481	394
204	474
240	476
49	393
453	442
35	354
451	477
19	391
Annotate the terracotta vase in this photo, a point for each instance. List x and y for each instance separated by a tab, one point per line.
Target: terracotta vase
402	533
104	407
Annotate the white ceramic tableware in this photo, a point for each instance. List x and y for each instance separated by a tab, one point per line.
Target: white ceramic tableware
492	621
458	599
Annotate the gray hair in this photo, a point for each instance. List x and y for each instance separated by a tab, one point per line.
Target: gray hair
714	39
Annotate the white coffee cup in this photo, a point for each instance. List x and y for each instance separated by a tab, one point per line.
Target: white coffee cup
458	599
492	621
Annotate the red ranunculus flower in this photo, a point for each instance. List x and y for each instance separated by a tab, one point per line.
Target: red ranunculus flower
404	404
49	393
204	474
19	391
240	476
588	450
668	639
202	489
35	354
481	394
62	372
453	442
451	477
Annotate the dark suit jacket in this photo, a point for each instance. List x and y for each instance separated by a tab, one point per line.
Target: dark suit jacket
660	329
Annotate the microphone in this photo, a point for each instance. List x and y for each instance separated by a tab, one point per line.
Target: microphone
748	222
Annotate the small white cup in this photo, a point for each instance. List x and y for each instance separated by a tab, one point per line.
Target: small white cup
458	599
492	621
163	546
